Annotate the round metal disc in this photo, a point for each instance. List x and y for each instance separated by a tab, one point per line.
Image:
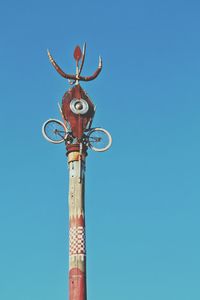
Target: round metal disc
79	106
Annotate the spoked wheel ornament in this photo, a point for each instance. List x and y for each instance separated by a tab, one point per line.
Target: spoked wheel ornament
99	139
54	131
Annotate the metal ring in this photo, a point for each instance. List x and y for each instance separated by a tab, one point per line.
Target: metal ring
79	106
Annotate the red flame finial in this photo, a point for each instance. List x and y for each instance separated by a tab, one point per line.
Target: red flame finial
77	53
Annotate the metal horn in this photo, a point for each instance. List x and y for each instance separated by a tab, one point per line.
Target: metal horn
96	73
83	59
58	69
76	78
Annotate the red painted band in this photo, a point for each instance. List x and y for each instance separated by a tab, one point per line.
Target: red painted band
77	284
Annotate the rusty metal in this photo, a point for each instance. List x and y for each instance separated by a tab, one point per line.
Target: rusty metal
77	112
77	77
77	122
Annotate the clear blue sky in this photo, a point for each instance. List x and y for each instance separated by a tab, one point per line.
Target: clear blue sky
142	197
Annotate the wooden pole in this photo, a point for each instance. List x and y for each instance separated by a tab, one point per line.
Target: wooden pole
77	245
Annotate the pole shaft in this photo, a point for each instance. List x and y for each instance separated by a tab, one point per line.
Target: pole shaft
77	246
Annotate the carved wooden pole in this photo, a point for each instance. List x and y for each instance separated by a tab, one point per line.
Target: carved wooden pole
75	131
77	246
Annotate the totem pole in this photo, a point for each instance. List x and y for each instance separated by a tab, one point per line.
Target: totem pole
77	112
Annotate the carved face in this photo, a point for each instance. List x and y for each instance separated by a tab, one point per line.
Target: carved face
78	110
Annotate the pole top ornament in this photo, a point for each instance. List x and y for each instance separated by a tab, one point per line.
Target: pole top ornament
79	57
77	111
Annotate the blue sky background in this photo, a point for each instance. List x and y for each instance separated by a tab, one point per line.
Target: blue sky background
142	198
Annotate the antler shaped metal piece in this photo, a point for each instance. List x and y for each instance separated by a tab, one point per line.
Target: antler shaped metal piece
78	55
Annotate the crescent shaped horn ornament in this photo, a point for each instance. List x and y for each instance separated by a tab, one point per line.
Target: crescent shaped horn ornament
77	77
58	69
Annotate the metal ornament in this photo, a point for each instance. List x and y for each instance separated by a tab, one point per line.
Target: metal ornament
79	106
77	113
77	77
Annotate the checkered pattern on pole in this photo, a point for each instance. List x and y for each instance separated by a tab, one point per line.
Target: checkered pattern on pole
77	240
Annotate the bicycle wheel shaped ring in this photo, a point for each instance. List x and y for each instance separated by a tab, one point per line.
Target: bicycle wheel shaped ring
54	131
99	139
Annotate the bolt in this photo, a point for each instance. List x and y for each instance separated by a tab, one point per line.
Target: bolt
79	105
